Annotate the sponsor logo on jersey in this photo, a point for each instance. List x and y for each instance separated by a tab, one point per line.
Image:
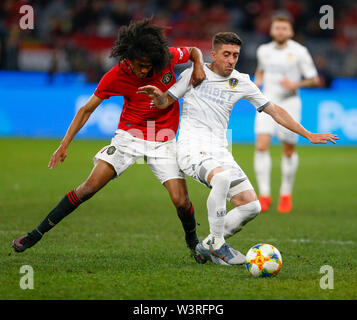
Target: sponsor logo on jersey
167	78
181	53
233	82
111	150
152	105
290	56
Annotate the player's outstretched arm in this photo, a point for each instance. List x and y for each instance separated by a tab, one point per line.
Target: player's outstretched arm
305	83
77	123
283	118
198	73
161	99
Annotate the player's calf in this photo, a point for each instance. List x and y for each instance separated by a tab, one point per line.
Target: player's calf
240	216
102	173
68	204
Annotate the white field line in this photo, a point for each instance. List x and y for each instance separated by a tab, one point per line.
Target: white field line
256	240
329	241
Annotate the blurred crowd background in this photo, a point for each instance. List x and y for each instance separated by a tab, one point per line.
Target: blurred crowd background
76	35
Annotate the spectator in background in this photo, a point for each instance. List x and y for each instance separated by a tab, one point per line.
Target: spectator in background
12	44
187	20
325	77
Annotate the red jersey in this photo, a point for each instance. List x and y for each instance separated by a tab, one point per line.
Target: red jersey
139	116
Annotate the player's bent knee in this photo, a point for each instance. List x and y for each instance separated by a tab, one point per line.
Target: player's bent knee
180	199
255	208
250	210
289	153
181	202
260	148
242	193
221	178
262	143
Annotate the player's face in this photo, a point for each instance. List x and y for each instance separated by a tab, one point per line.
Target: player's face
224	58
141	67
281	31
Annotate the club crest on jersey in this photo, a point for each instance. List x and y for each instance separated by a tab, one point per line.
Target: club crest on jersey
111	150
167	78
233	82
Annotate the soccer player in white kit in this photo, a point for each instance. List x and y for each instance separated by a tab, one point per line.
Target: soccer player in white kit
282	64
202	144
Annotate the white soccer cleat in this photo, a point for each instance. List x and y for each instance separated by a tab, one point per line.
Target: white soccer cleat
206	254
227	254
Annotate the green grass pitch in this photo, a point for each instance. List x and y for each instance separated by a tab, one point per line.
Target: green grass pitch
127	243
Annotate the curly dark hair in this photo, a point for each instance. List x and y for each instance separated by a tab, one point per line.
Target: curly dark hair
142	39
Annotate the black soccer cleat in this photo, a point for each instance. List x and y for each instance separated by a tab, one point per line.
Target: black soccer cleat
198	257
192	241
25	242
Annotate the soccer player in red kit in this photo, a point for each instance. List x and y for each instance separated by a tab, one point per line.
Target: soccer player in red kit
144	131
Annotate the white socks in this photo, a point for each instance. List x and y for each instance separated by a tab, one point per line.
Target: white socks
262	167
288	170
216	205
239	216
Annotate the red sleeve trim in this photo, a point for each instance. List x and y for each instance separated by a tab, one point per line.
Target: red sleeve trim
180	54
100	95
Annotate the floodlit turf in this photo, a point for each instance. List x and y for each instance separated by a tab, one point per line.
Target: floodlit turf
127	243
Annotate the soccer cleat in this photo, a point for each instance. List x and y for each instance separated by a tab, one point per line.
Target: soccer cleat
285	203
265	202
206	255
192	241
228	254
25	242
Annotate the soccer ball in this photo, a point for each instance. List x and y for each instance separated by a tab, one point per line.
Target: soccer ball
263	260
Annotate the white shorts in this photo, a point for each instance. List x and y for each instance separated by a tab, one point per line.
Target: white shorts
125	149
265	124
197	161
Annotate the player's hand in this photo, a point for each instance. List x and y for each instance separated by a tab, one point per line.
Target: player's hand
289	85
198	75
59	155
151	91
322	138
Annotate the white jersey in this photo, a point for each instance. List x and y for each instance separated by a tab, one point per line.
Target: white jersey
292	62
206	109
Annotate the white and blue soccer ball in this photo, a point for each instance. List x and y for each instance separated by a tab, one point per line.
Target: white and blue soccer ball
263	260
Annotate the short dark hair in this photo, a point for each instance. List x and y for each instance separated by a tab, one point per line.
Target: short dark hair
226	38
282	17
142	39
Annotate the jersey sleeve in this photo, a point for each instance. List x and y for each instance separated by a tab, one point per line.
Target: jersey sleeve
255	96
306	65
182	85
179	54
105	88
